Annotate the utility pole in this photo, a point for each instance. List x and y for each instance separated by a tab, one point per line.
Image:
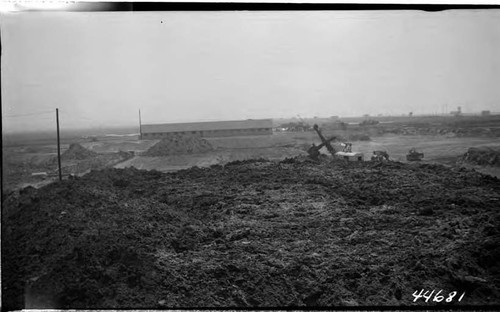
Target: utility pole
140	126
58	146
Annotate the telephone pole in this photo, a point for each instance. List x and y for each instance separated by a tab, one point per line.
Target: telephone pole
58	146
140	126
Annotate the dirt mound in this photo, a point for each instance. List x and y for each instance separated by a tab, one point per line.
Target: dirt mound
483	156
77	152
253	234
179	144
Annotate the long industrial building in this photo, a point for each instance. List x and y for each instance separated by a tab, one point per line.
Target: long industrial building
209	129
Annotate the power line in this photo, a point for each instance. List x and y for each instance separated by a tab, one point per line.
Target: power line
69	116
76	117
30	114
27	119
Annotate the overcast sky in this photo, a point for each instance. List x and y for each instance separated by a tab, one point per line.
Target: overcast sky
100	68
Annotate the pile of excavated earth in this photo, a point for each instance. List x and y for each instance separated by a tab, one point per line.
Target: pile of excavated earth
254	234
178	145
483	156
447	131
78	159
77	152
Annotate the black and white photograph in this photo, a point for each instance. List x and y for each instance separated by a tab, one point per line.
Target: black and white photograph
254	157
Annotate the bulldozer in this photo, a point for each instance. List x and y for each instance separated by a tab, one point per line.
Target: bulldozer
346	153
380	156
413	155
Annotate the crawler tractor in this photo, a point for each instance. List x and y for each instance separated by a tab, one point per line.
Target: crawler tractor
413	155
380	156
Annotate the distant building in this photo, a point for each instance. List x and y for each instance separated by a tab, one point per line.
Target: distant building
458	112
485	113
209	129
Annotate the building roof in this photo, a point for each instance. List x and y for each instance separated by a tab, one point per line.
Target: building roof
211	125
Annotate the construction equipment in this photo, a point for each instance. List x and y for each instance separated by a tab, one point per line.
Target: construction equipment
346	147
346	152
380	156
326	142
413	155
313	151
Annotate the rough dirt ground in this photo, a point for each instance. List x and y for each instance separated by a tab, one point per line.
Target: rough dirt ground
489	156
20	162
281	145
179	145
254	233
221	157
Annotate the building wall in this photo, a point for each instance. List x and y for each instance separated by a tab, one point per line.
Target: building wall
208	126
209	133
236	132
163	135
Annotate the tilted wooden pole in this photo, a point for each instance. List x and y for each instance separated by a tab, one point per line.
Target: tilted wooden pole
58	146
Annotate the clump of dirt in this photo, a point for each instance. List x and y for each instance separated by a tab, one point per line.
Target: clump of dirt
253	233
483	156
178	145
77	152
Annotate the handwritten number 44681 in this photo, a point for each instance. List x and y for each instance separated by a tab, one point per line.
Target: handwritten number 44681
437	297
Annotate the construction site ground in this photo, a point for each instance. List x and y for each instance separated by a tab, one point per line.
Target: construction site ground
21	161
254	233
437	149
254	224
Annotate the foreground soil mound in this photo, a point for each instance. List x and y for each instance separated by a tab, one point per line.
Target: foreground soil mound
483	156
253	234
77	152
177	145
